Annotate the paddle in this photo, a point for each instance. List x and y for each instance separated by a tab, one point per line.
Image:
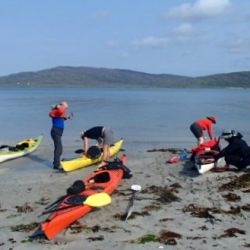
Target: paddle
129	210
80	151
95	200
57	201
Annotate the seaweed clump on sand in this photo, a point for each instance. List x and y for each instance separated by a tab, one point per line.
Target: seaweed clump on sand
24	228
231	232
203	212
164	150
77	227
165	194
242	181
165	237
231	197
25	208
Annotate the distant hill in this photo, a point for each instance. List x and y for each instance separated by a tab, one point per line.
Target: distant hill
102	77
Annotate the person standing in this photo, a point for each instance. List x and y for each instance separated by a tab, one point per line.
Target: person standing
198	128
104	136
58	116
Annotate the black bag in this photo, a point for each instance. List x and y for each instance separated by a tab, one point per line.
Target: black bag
117	164
22	146
76	188
94	152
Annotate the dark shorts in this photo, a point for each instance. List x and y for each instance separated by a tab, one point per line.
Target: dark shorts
196	130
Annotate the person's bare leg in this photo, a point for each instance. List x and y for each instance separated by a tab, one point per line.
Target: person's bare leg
106	155
200	141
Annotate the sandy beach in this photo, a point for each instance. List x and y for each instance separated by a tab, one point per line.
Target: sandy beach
176	208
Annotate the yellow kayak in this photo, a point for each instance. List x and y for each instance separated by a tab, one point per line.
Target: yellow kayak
20	149
82	162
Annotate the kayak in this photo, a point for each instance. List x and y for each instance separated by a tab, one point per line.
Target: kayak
84	161
66	210
22	148
204	161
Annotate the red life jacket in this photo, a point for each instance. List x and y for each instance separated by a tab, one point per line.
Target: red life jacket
58	111
205	145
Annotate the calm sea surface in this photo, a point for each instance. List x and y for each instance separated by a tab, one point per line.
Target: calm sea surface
145	118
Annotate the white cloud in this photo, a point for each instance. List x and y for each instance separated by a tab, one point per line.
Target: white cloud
184	29
199	9
184	32
151	41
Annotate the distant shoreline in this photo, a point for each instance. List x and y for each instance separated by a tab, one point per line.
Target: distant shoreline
88	77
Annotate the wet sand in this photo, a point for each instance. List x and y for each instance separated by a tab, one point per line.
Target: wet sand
176	209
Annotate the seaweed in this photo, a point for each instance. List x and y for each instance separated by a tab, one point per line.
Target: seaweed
246	207
242	181
166	219
77	227
231	232
25	208
166	237
231	197
202	212
24	228
165	194
171	150
98	238
147	238
43	201
132	216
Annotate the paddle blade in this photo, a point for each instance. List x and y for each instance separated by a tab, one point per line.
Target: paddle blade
79	151
98	200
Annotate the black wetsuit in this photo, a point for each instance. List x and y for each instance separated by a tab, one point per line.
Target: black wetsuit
237	152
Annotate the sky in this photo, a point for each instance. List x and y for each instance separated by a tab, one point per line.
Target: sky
181	37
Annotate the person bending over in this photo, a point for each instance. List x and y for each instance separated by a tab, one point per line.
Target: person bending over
198	128
104	137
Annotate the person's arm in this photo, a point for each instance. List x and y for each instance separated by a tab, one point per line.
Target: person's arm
210	132
106	152
230	149
85	145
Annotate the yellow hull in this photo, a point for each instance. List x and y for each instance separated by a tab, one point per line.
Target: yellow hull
84	161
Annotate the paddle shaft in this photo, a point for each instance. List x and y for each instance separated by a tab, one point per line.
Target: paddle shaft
130	205
54	203
59	209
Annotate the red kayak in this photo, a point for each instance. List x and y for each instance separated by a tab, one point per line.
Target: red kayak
72	207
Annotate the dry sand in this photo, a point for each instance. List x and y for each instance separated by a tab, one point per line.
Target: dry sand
176	209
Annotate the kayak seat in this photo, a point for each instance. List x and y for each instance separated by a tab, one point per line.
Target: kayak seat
102	177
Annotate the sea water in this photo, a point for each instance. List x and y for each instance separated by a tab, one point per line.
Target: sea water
145	118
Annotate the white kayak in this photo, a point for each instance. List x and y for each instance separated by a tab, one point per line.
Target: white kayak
204	160
22	148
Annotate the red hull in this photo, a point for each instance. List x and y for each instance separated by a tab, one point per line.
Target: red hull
60	220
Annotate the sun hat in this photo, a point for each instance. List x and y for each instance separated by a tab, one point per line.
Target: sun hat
228	133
